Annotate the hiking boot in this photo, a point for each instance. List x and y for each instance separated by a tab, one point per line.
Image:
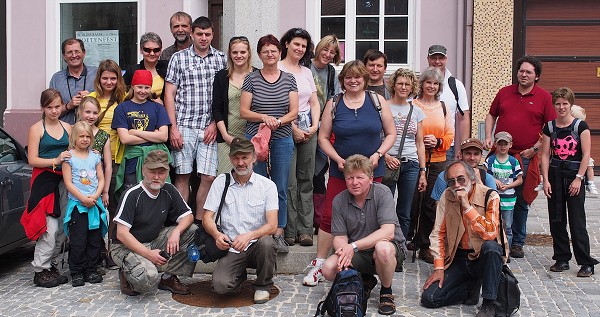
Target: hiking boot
125	286
425	255
261	296
281	245
590	187
93	277
61	278
315	275
560	266
586	271
486	310
46	279
473	292
305	240
174	285
516	251
77	279
290	241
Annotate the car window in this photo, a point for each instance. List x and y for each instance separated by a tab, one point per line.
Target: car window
8	149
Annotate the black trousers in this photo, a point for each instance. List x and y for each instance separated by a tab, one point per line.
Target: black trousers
85	244
560	206
422	220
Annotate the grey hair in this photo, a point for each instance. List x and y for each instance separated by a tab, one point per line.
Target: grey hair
436	75
150	37
470	171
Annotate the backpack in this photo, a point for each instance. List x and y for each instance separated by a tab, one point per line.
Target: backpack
452	85
346	298
374	99
490	161
573	128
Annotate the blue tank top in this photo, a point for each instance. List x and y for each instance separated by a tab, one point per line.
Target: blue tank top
51	147
357	132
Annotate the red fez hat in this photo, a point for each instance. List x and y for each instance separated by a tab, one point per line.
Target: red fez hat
142	77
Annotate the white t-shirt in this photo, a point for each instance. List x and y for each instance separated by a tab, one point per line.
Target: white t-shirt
400	114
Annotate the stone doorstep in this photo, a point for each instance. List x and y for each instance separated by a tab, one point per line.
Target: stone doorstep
293	262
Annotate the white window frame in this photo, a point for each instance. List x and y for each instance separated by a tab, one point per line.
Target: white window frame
53	42
313	25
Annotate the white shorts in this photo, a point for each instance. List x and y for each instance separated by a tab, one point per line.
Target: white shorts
195	149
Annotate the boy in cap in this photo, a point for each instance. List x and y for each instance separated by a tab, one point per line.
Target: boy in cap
508	174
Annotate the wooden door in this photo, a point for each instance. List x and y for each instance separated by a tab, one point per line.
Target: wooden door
215	14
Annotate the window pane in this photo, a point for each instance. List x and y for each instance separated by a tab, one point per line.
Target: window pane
363	47
367	7
396	28
367	28
343	51
399	7
397	52
120	16
333	26
333	7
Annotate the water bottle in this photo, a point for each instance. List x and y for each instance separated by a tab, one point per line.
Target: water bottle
193	253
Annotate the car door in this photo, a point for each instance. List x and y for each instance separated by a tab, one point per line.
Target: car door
15	175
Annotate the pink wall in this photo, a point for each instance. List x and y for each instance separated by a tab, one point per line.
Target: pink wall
158	14
292	14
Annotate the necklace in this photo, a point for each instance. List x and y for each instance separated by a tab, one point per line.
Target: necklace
353	101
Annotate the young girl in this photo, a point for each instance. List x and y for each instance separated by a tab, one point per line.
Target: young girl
142	125
48	141
85	218
579	113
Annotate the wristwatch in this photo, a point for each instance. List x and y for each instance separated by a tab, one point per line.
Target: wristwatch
581	177
279	122
535	149
423	169
353	244
379	153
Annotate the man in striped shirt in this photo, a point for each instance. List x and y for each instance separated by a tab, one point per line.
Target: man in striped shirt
465	244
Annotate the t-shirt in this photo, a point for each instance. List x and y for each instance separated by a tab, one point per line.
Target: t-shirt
440	184
565	147
400	114
380	89
321	82
84	173
106	122
305	83
506	173
350	220
145	214
272	99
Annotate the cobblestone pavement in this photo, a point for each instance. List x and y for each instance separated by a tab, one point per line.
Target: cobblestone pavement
543	293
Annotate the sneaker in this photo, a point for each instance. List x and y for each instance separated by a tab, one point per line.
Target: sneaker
173	285
586	271
590	187
61	278
305	240
486	310
560	266
261	296
77	279
290	240
315	274
46	279
281	245
516	251
93	277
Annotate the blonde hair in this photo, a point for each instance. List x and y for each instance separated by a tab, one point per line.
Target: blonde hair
85	100
578	112
358	162
325	42
78	127
408	74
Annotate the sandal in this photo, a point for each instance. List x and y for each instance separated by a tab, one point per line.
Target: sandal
386	304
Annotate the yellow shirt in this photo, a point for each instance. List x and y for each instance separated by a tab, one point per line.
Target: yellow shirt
157	85
106	122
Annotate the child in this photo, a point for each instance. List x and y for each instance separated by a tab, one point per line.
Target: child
579	113
508	174
142	125
85	217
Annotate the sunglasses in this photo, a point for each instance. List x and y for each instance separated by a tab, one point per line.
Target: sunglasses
155	50
299	32
462	181
241	38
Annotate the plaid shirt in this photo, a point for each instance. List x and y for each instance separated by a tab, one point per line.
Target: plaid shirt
193	76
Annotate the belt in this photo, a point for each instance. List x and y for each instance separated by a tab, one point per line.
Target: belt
404	159
565	164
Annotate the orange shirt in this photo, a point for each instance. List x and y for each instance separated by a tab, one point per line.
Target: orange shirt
441	127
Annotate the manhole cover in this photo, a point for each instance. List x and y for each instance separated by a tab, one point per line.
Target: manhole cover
538	239
202	296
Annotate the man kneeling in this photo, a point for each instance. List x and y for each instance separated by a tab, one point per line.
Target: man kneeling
248	219
465	244
367	235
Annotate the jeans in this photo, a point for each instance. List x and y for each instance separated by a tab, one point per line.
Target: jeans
519	225
450	154
507	221
280	159
407	184
454	290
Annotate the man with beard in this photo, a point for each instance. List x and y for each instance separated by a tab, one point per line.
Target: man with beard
465	244
181	27
143	240
248	219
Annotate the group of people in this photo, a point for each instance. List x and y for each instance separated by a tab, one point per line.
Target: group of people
108	143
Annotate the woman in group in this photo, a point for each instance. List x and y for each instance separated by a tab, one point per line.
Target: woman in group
404	84
297	46
327	51
566	144
357	125
438	133
47	142
150	48
227	89
270	97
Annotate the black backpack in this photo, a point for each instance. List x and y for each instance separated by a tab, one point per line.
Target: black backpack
346	298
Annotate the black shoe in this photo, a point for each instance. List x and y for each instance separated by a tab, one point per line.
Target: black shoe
93	277
560	266
473	292
586	271
516	251
77	279
486	310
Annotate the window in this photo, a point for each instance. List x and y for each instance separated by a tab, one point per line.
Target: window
386	25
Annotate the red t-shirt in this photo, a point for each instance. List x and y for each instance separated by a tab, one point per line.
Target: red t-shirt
523	116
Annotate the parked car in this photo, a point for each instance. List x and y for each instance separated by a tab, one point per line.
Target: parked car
15	175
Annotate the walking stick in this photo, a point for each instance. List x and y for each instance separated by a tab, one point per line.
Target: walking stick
421	197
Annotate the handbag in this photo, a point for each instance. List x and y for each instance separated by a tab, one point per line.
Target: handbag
390	176
209	252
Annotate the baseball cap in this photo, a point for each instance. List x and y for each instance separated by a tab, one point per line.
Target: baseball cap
157	159
503	136
471	142
240	145
436	49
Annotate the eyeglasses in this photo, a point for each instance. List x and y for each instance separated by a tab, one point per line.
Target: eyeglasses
269	52
462	181
155	50
241	38
403	84
73	53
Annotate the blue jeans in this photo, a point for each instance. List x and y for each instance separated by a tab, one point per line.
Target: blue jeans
454	290
281	158
519	225
507	221
450	154
407	185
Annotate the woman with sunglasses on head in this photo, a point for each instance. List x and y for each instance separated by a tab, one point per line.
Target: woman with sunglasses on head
150	47
297	46
227	90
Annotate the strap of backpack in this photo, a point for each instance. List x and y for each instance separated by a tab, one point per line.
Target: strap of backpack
482	174
227	181
336	100
444	108
330	80
375	99
452	84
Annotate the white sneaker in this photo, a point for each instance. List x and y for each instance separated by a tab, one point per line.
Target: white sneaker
540	187
315	275
261	296
590	187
